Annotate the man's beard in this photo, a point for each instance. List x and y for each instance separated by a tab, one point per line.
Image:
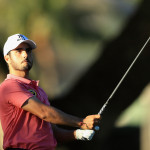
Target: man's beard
26	67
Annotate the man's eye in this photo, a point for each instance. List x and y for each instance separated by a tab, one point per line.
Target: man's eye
19	49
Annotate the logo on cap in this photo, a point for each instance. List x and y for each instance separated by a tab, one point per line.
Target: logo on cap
21	37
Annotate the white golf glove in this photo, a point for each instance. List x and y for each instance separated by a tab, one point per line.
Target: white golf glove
84	134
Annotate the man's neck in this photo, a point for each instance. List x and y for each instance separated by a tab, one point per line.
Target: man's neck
22	74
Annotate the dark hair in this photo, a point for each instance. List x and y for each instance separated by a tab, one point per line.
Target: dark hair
8	53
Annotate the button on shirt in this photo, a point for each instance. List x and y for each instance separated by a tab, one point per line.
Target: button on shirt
21	128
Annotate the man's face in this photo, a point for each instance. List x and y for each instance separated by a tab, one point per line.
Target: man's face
20	58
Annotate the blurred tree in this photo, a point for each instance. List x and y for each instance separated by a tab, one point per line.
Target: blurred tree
68	35
95	86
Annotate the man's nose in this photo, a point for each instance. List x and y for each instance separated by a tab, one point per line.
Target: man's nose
24	54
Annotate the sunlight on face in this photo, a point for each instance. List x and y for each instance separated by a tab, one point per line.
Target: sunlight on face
21	58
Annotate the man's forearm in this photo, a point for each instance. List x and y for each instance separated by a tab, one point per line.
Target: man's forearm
57	116
50	114
63	135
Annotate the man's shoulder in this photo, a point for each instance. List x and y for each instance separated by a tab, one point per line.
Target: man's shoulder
6	86
8	83
9	87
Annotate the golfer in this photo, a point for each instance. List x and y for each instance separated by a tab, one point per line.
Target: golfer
28	120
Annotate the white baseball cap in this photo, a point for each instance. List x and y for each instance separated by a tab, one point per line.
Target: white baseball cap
16	39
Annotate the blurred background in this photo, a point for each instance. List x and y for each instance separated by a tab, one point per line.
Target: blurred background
83	49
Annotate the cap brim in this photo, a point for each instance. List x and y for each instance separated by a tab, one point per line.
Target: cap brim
30	42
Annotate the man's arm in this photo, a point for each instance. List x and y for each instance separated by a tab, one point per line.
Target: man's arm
56	116
63	135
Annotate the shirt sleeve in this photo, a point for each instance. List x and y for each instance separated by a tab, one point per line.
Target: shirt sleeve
15	93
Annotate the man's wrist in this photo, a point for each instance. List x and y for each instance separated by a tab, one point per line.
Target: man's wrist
80	123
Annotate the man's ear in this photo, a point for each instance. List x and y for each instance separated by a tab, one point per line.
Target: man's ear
7	59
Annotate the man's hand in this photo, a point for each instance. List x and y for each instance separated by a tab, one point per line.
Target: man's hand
84	134
90	122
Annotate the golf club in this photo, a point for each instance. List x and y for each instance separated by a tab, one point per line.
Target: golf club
121	80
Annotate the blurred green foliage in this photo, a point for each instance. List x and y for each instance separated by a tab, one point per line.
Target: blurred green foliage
70	35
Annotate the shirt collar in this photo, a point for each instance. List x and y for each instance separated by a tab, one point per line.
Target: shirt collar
24	80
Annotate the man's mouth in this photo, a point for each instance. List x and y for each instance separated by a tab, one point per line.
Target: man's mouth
26	61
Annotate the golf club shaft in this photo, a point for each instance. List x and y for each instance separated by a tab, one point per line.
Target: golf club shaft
121	80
